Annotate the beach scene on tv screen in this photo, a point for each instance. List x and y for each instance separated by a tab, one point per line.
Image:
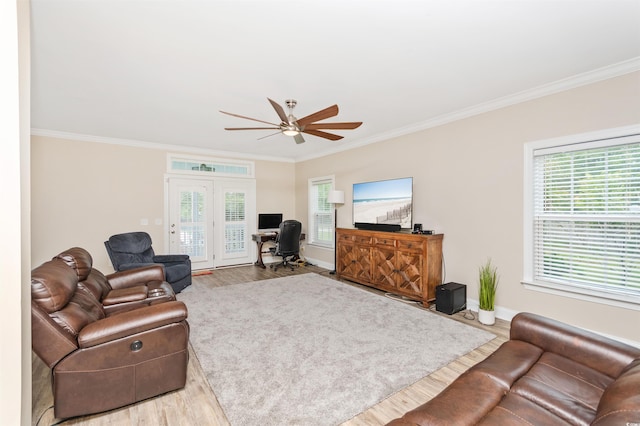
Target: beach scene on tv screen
384	202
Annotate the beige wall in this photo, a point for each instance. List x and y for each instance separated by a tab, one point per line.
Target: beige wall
83	192
468	181
275	183
468	178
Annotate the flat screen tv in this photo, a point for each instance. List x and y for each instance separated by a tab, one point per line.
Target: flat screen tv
269	220
383	202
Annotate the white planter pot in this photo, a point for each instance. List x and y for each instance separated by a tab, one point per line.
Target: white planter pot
486	317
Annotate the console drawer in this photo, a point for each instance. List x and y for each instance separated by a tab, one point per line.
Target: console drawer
386	242
410	245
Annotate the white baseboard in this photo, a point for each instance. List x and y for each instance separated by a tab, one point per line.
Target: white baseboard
320	263
508	314
502	313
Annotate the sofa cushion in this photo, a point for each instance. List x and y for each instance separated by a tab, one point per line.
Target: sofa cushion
97	284
81	310
79	260
620	402
510	362
468	399
584	347
564	387
516	410
53	284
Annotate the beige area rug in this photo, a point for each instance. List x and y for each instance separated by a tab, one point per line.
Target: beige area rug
308	350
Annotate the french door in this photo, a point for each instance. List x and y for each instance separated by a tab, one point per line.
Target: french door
191	207
235	218
211	220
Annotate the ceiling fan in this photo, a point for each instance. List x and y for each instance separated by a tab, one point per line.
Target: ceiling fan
292	126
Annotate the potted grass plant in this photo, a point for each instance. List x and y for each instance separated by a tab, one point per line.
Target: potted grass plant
488	284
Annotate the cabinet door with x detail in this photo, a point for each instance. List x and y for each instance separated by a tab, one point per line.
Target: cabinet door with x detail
354	262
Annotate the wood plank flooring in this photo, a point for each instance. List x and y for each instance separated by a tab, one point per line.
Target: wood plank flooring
196	404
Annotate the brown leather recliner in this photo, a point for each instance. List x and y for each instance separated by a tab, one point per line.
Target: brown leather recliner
104	354
119	291
548	373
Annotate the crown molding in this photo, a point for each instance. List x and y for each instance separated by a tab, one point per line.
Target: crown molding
153	145
590	77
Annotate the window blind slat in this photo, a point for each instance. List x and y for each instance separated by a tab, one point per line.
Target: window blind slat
587	217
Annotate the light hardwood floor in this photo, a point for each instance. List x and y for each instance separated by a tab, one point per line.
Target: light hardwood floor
196	404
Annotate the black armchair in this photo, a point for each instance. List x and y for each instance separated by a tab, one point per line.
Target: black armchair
288	243
133	250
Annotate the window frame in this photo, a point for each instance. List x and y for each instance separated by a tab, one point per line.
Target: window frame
312	240
603	138
197	165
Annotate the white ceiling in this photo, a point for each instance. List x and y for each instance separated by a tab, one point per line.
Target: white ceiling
158	72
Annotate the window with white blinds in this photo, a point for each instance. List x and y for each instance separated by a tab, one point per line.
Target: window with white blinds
586	217
321	227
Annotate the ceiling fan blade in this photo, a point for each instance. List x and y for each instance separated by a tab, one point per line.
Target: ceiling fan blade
249	118
268	136
251	128
279	110
334	126
298	138
325	135
331	111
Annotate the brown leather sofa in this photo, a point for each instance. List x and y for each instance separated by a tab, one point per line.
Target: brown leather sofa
109	340
548	373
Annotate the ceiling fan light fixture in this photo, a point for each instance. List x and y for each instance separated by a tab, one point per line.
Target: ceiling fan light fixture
291	131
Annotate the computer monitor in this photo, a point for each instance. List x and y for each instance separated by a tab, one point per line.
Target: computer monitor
269	221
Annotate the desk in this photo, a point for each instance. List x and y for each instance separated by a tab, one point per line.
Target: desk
260	239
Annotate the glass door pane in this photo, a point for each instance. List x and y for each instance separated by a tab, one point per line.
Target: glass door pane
235	224
191	220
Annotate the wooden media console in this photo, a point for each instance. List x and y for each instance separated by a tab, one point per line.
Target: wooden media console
405	264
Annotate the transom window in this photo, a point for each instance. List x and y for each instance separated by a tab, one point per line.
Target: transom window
209	166
582	212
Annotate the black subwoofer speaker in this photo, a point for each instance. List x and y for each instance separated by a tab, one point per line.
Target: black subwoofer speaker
451	298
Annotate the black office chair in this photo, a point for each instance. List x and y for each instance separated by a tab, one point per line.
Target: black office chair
288	244
133	250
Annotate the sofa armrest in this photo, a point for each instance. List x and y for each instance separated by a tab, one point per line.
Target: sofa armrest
137	276
605	355
171	258
125	295
135	265
131	322
620	402
48	340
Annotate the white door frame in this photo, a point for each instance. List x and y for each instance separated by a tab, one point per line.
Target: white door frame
248	254
220	185
173	183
